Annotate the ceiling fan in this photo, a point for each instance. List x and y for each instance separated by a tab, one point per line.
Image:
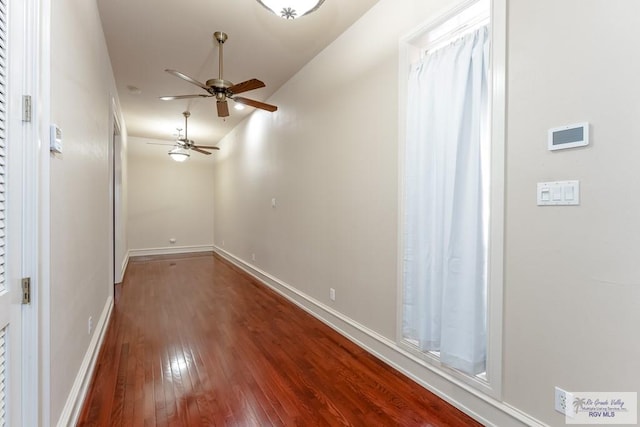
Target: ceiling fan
189	144
222	89
183	145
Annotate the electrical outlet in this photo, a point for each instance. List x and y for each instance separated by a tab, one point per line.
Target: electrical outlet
172	240
564	402
90	325
332	294
253	257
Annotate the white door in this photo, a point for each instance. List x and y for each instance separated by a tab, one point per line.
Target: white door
11	211
6	290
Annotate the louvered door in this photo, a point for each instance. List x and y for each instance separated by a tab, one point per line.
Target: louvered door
6	291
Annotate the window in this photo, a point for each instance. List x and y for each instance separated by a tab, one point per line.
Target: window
451	185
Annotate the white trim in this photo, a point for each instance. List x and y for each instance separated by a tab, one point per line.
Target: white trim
116	198
111	259
169	250
75	400
35	250
476	404
410	47
495	290
42	411
123	267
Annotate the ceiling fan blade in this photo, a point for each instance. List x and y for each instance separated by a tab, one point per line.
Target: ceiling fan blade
246	86
187	78
256	104
223	108
171	98
208	147
200	151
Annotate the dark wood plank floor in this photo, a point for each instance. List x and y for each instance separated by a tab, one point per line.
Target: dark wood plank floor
195	342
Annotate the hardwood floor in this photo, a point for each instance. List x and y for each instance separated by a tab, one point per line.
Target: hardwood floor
195	342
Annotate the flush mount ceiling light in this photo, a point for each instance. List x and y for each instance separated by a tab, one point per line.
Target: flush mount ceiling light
291	9
179	154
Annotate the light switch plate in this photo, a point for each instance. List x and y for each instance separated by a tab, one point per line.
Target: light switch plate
55	139
558	193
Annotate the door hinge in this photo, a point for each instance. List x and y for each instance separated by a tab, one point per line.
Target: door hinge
26	108
26	290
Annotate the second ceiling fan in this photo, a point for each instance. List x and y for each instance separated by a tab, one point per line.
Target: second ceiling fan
222	89
189	144
183	144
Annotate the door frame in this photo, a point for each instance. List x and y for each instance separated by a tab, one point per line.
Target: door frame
118	260
35	370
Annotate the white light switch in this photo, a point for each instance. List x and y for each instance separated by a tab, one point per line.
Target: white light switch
545	195
569	193
55	142
559	193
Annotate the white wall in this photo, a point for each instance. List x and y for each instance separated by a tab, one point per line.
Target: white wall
81	280
573	276
329	157
168	199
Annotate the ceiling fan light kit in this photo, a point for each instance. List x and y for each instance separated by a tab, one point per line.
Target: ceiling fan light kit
181	150
222	89
179	154
291	9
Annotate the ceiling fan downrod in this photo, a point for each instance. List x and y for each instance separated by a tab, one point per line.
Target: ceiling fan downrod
186	115
220	38
219	87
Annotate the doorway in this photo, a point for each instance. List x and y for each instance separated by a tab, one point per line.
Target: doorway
116	203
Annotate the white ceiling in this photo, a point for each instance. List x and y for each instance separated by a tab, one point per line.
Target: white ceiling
145	37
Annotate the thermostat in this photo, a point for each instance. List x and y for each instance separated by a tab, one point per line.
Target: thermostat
570	136
55	139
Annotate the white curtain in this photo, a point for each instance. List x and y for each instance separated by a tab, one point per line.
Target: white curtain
446	203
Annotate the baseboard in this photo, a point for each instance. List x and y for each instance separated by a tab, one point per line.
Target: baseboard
71	411
123	267
481	407
169	250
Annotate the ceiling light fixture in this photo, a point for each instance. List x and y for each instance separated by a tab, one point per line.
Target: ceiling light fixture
179	154
291	9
